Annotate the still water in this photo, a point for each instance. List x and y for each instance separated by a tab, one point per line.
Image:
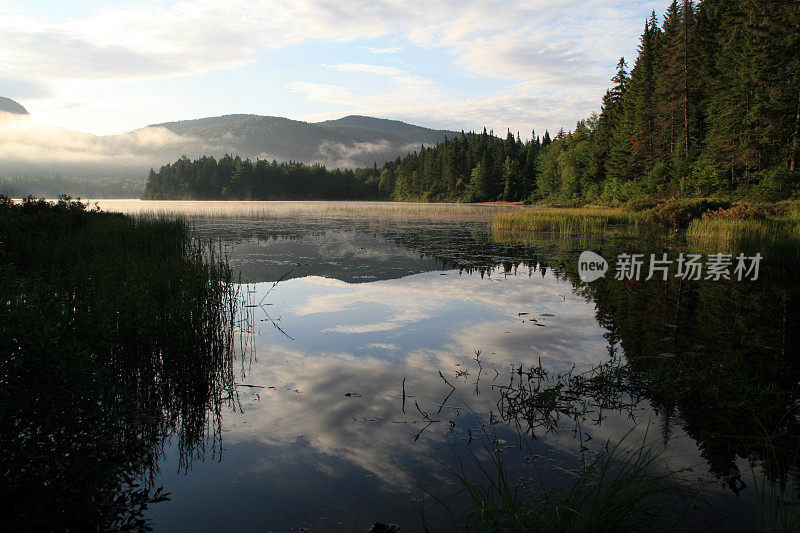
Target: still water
380	344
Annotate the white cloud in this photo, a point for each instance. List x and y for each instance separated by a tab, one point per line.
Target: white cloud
321	92
537	46
415	99
385	50
24	139
340	155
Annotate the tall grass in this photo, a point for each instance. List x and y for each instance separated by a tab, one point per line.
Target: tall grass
620	489
777	239
563	221
266	210
117	331
777	492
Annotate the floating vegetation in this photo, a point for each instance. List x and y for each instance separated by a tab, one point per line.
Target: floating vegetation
624	487
537	399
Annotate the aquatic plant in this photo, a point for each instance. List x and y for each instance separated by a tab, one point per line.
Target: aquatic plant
619	488
563	221
776	239
117	332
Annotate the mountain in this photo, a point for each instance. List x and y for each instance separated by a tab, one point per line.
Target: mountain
409	132
10	106
350	141
30	147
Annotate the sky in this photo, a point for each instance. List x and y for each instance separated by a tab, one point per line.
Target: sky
111	67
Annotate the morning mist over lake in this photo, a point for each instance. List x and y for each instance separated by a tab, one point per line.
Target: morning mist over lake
400	266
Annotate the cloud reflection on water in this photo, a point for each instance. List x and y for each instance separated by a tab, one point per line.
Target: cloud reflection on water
365	339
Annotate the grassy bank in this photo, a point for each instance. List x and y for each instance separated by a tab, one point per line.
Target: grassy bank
776	238
564	221
698	225
117	331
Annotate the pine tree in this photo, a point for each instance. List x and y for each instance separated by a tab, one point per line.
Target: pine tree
511	179
618	161
677	92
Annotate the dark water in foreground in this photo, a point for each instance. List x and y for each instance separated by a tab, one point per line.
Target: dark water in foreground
373	349
325	439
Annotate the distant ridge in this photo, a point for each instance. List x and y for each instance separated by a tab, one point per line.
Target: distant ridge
349	142
10	106
346	143
390	127
182	126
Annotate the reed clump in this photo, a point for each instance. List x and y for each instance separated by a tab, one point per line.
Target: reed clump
563	221
116	332
777	239
621	488
268	210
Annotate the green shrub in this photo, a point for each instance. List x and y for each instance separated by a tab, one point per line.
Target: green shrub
678	214
741	211
641	204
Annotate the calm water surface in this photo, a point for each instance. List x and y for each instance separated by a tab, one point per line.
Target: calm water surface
382	340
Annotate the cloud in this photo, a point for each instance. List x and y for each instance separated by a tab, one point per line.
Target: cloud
16	88
381	346
394	73
340	155
23	138
386	50
371	430
401	306
543	47
418	100
150	38
27	145
406	88
321	92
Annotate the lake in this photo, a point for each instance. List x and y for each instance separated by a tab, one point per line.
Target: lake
383	343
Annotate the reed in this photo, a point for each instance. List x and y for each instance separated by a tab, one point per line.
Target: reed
118	331
622	488
777	239
267	210
563	221
777	493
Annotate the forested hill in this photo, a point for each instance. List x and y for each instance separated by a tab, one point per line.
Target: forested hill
468	167
711	105
347	142
234	178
